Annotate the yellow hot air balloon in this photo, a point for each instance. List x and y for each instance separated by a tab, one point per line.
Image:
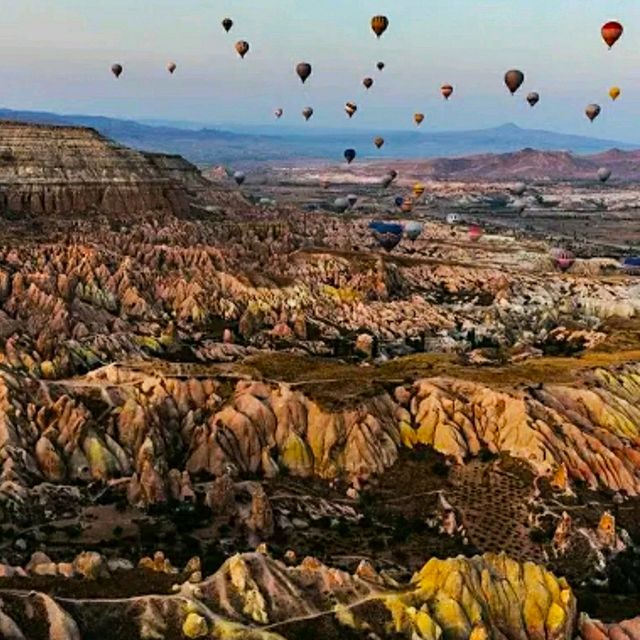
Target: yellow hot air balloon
418	118
614	93
418	189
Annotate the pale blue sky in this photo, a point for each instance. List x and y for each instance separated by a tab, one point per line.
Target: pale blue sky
56	56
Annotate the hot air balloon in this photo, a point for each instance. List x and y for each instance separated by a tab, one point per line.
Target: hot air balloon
592	111
446	90
307	112
387	234
413	229
303	69
380	66
533	98
631	265
171	67
349	155
368	83
388	179
604	174
562	258
242	47
418	118
341	204
611	32
352	198
513	79
418	189
350	108
452	218
398	200
239	177
379	24
227	23
278	112
614	93
475	232
519	206
378	141
519	188
407	205
116	69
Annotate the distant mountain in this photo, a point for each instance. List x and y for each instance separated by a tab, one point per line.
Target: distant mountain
206	146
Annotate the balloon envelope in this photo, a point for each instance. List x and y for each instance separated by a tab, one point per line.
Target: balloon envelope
413	229
303	69
446	91
227	23
562	258
398	200
239	177
614	93
307	112
379	24
519	188
592	111
513	79
352	198
278	112
604	174
418	118
171	67
387	234
611	32
242	47
368	83
475	232
116	69
350	108
533	98
378	141
380	66
349	155
341	204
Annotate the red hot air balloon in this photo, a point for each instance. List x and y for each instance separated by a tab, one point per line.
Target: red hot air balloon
611	32
475	233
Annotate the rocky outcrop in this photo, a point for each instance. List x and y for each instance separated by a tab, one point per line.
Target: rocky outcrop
61	171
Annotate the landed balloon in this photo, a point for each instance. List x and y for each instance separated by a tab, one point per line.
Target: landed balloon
352	198
413	229
387	234
513	79
307	112
446	90
239	177
278	113
242	48
418	189
378	141
614	93
562	258
350	108
380	66
519	188
368	83
379	25
341	204
116	69
171	67
349	155
604	174
303	69
533	98
631	265
227	23
475	233
418	118
611	32
592	111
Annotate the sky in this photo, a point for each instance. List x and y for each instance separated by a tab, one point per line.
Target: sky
56	56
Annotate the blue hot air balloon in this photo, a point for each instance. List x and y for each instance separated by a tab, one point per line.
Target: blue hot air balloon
631	265
399	201
388	234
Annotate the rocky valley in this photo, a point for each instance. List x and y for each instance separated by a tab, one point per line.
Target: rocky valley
224	414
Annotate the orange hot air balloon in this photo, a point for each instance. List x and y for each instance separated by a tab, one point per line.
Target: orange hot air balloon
242	47
611	32
614	93
379	24
379	141
407	205
418	118
446	91
368	83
